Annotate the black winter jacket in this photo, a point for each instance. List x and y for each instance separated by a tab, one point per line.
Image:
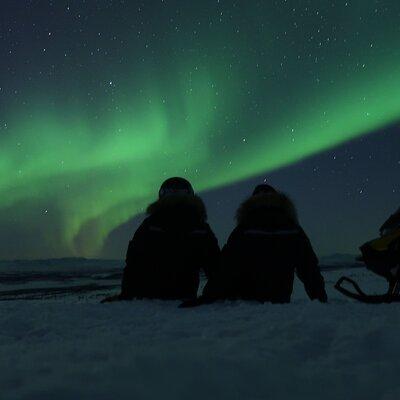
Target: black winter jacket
168	250
262	254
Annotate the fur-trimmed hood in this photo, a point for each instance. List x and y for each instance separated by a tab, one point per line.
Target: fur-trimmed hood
272	210
179	205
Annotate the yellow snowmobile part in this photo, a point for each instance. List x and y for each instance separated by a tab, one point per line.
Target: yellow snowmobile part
383	243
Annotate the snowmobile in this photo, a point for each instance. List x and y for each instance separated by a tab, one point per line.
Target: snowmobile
381	256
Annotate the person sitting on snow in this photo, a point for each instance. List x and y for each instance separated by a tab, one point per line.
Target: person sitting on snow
170	247
263	252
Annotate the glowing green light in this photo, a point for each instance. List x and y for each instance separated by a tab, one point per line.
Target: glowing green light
211	122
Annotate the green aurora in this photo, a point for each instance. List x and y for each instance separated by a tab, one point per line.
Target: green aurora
251	106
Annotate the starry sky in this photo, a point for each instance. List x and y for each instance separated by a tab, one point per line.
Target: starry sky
100	101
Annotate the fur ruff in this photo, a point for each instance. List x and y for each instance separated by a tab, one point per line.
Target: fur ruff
272	209
179	203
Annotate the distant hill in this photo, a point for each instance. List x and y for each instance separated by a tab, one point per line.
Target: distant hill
335	261
338	258
339	261
66	263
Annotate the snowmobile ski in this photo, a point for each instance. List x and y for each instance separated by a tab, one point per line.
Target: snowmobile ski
390	297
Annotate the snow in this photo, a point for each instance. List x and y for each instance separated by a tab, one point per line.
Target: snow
72	347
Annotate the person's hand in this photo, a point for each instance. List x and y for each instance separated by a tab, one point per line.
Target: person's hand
323	298
110	299
190	303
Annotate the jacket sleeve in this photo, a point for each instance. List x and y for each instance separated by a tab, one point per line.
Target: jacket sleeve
308	270
221	283
133	255
211	253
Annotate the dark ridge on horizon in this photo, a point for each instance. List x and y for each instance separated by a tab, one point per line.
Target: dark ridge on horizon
64	261
335	257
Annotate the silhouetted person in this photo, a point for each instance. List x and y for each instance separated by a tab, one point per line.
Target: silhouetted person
170	247
263	252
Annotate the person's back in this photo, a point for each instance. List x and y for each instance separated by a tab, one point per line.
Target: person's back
264	251
169	248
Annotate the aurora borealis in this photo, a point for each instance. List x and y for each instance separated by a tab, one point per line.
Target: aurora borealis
102	100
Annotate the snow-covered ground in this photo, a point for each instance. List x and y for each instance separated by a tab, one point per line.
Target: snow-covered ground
68	346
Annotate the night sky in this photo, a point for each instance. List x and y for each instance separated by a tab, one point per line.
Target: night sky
100	101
